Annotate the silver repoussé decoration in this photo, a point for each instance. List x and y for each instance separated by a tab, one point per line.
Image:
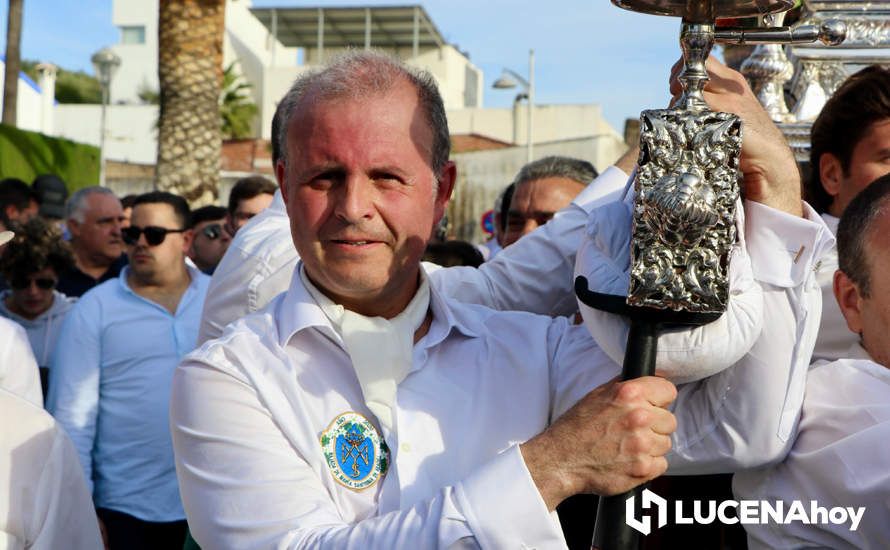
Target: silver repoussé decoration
686	190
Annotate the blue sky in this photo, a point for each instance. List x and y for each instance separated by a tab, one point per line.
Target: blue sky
585	50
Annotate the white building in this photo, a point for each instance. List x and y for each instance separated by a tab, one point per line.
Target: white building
34	108
272	46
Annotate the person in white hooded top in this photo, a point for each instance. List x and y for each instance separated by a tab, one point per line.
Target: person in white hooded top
31	264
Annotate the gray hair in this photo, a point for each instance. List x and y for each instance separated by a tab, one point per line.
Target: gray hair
854	230
556	167
362	74
77	202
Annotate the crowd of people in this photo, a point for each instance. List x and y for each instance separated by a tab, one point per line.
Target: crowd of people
314	365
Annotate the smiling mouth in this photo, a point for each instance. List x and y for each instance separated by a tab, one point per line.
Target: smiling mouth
353	243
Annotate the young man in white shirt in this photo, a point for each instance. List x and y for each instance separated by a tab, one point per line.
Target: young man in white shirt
365	405
850	149
840	456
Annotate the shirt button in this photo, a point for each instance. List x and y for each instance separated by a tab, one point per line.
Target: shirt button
406	447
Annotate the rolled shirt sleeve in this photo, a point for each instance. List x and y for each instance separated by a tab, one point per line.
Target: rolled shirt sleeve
746	415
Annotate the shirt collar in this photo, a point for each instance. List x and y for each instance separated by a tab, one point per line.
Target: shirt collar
278	205
299	311
194	274
831	222
446	318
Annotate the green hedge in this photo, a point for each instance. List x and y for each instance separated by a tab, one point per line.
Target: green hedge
26	155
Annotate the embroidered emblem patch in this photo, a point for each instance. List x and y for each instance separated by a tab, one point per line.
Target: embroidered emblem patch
355	453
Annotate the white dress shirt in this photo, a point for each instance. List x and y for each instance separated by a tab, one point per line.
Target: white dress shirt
534	274
834	338
840	458
44	502
255	268
110	391
18	367
248	409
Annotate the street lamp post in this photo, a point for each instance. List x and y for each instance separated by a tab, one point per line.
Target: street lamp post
509	80
105	64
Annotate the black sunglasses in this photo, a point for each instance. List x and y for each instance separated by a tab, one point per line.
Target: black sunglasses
24	282
212	231
153	235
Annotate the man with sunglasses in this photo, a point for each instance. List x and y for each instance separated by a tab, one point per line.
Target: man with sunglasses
210	239
115	360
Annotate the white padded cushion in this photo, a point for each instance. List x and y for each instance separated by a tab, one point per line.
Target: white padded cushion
685	354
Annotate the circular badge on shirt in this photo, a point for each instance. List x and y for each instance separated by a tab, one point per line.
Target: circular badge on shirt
355	453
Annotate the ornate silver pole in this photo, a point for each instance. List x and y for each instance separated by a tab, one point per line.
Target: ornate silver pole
686	188
687	185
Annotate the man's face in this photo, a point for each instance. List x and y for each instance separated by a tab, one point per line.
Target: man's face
870	317
209	243
869	161
21	216
33	293
535	202
248	208
148	261
362	197
99	235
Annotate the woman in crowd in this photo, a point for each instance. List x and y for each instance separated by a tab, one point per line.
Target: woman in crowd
31	264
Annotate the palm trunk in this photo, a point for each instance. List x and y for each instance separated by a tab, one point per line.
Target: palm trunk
13	62
190	36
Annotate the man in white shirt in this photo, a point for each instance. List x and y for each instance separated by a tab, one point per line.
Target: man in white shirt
850	149
110	377
841	454
367	406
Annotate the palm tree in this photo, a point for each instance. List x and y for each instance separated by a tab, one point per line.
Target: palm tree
190	35
236	109
13	61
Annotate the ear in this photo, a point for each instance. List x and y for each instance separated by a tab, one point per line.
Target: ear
281	177
849	299
831	173
447	178
73	227
11	212
188	237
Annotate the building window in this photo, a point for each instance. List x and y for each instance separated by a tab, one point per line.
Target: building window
133	35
